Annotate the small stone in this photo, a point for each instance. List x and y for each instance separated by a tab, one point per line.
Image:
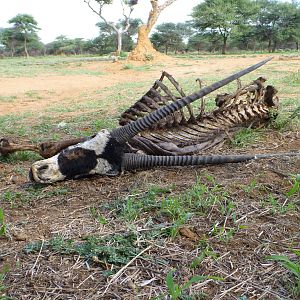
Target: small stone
19	236
13	179
61	125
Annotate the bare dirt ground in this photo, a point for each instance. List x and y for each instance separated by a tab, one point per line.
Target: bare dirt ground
72	86
265	221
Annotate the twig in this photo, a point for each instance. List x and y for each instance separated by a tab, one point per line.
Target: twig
35	263
118	274
82	282
233	287
246	215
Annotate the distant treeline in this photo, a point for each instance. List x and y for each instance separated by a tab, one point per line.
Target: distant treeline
216	26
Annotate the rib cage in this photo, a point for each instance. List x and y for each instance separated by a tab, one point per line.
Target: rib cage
183	132
158	96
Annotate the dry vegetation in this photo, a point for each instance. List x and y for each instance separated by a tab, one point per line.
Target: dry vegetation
138	235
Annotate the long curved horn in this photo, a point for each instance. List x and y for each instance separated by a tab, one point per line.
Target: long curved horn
142	162
125	133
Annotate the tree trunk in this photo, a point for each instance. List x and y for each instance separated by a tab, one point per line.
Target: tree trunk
25	47
269	45
224	45
119	41
274	46
12	49
297	45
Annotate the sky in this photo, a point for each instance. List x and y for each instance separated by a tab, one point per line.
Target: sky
74	19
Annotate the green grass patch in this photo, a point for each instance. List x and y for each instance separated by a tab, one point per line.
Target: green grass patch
35	192
289	117
174	209
3	272
177	291
277	205
116	250
291	266
49	65
295	189
245	137
292	79
143	68
2	227
8	99
16	157
34	95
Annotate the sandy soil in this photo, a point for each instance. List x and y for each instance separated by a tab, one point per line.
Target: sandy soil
55	89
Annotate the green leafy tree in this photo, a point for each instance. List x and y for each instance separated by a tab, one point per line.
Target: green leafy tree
204	42
170	35
294	31
8	39
245	38
221	17
166	36
25	26
56	47
196	42
277	23
78	45
288	27
64	45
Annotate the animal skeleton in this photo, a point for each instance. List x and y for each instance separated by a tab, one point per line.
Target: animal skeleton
157	126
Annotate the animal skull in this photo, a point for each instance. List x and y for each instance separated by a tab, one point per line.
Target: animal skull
101	154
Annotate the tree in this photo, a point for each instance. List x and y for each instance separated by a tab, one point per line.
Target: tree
7	38
26	27
277	22
127	8
56	47
245	37
295	31
64	45
221	17
109	37
144	49
289	24
78	45
170	35
199	41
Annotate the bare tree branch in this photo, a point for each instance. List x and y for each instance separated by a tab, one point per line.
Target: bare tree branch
155	12
166	4
126	17
99	13
113	25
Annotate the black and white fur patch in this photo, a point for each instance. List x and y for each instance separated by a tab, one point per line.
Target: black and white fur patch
101	154
80	160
